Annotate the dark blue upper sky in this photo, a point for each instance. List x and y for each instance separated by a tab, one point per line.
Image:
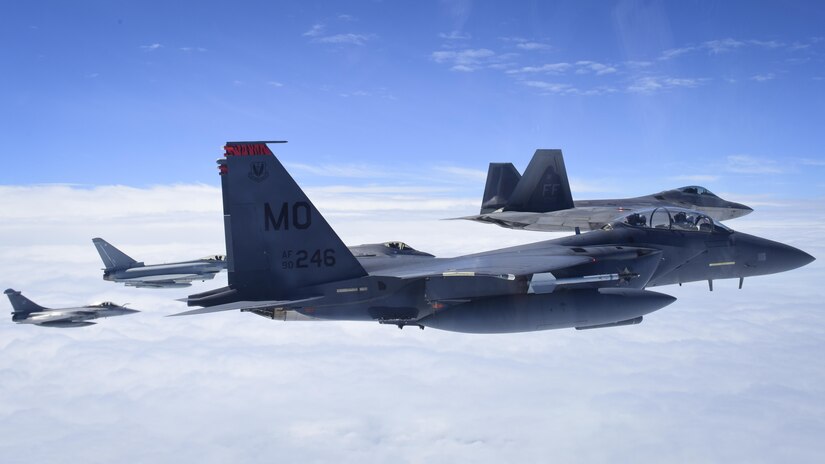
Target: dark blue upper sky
660	94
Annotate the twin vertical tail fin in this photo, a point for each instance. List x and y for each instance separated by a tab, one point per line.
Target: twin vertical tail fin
276	240
113	258
543	187
21	304
502	179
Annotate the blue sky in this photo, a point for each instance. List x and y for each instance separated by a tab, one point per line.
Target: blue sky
114	112
142	93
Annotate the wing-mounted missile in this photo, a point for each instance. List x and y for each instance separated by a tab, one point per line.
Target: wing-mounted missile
610	266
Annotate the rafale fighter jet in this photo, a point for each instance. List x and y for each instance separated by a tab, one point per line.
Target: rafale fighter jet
541	199
122	268
28	312
285	262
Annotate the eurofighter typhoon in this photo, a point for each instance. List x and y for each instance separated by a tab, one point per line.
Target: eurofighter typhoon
28	312
119	267
541	199
285	262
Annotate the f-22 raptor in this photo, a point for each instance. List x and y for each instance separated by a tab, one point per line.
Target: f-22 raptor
122	268
285	262
28	312
541	199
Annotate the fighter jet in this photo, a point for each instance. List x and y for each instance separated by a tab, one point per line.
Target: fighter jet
121	268
285	262
28	312
693	247
541	199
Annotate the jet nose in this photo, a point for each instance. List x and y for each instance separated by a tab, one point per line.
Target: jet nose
789	257
800	258
738	210
762	256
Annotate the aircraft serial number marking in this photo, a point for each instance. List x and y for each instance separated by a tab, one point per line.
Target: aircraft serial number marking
302	259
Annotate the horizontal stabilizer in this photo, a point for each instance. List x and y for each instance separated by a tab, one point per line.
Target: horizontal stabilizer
245	305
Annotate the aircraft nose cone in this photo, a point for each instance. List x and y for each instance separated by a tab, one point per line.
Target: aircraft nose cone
738	210
790	257
800	258
762	256
783	257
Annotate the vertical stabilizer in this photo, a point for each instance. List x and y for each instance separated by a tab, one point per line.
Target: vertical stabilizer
502	179
276	240
21	304
544	186
113	258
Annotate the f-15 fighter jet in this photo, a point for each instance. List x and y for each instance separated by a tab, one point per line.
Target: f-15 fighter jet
28	312
285	262
541	199
121	268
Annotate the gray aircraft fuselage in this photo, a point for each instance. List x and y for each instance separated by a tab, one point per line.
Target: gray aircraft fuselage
717	208
468	302
541	199
693	254
171	275
594	214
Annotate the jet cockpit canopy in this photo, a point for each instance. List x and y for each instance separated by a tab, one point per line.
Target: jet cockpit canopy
103	304
214	258
401	246
696	190
669	218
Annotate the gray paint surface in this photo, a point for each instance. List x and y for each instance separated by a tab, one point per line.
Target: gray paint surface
541	199
285	262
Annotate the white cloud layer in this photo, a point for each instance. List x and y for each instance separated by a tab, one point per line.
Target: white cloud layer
636	76
733	375
466	60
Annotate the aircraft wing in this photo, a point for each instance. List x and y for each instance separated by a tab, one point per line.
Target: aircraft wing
502	265
246	305
585	218
168	278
